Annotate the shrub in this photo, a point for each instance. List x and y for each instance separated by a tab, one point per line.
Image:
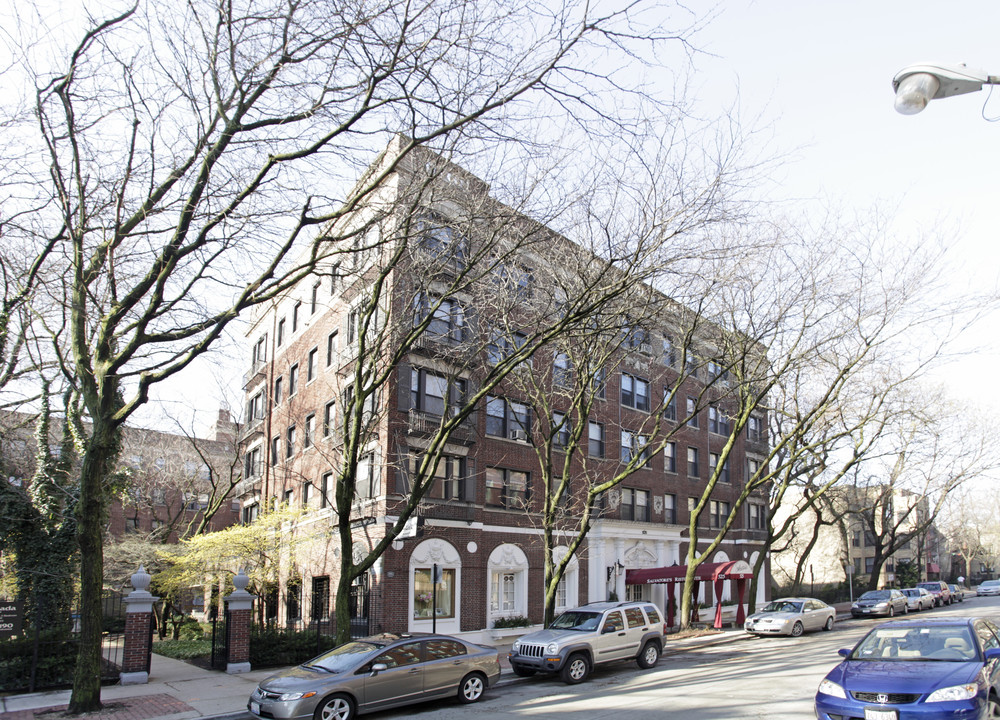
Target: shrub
184	649
191	629
513	621
271	646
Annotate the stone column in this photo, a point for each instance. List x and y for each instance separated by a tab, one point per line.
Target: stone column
240	605
138	631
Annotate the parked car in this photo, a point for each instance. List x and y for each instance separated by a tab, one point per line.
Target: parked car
918	599
376	673
931	669
989	587
791	616
586	636
939	589
957	593
880	602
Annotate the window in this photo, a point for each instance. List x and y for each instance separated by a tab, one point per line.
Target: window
255	408
561	429
311	365
252	463
598	383
289	497
635	504
442	242
595	437
370	404
449	478
367	481
633	445
693	462
755	429
324	489
329	417
718	423
670	457
669	405
562	370
716	371
507	419
718	513
869	538
443	649
432	599
293	603
504	598
275	449
669	358
293	379
869	565
755	516
447	317
856	538
281	331
259	352
635	392
753	467
295	315
503	346
432	393
277	391
309	435
692	412
713	463
670	509
331	348
636	337
321	598
307	493
507	488
514	281
290	442
314	298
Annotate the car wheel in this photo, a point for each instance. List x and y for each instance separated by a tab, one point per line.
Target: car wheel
829	624
906	609
335	707
892	611
649	656
471	688
993	707
521	671
576	669
796	629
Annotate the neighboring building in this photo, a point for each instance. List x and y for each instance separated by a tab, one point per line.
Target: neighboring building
171	475
480	521
846	543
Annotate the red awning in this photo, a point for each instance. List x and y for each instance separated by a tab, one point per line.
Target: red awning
729	570
933	568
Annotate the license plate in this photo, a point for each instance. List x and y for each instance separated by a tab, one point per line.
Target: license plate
255	708
873	714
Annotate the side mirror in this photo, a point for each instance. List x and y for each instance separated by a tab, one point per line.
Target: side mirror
992	654
844	652
378	667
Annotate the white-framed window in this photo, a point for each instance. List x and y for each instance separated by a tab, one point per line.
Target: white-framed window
670	457
367	482
635	392
508	582
633	445
595	439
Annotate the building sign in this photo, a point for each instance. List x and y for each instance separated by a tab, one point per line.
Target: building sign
11	617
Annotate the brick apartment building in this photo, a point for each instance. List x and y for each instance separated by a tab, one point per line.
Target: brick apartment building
479	523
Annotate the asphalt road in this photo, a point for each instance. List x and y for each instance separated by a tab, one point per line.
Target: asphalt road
752	678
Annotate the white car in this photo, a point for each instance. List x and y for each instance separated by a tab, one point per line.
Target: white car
791	616
989	587
918	599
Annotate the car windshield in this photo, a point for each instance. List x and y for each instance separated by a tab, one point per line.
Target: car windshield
576	620
876	595
946	643
343	657
930	586
911	593
783	606
991	583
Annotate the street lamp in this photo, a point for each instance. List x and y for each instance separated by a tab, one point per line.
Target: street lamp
917	85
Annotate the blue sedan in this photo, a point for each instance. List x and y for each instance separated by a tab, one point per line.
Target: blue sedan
907	669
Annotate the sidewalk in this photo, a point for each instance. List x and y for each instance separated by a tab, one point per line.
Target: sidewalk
181	691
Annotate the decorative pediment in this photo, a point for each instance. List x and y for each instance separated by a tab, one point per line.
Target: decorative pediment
433	551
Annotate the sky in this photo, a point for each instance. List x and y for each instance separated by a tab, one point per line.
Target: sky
818	76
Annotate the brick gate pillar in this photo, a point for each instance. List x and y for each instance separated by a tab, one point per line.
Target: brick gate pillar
240	613
138	643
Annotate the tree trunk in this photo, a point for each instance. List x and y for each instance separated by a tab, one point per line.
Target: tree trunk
101	453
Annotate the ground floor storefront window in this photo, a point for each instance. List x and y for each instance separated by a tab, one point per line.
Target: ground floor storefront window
425	604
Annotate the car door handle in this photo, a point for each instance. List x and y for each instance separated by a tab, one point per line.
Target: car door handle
414	671
621	634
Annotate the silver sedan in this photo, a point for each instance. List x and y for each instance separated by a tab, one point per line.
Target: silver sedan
377	673
791	616
918	599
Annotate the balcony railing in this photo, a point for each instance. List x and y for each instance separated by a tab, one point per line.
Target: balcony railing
424	423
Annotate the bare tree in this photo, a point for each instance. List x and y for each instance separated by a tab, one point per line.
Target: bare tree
189	147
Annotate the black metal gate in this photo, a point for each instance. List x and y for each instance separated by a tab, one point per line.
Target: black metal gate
359	602
220	640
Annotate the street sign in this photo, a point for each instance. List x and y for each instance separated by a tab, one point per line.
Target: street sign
409	528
